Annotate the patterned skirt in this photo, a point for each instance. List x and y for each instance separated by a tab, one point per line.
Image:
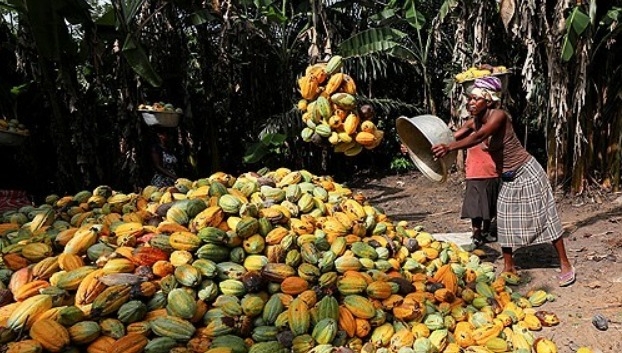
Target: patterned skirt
526	210
161	180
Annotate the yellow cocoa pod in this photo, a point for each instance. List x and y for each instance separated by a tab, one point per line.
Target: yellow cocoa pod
368	126
344	137
24	314
532	322
348	85
544	345
308	87
365	138
351	123
402	338
24	346
584	350
344	146
359	306
334	83
302	105
334	138
382	334
318	72
335	122
69	262
497	344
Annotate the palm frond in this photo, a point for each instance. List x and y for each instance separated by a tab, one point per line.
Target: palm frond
374	40
288	123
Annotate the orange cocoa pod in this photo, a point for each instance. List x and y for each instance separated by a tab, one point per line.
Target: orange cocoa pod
131	343
45	268
363	328
199	312
14	261
103	344
89	288
148	256
63	237
347	322
29	289
162	268
50	334
148	289
294	285
68	262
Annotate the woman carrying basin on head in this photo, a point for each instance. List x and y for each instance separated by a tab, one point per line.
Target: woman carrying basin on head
164	157
526	210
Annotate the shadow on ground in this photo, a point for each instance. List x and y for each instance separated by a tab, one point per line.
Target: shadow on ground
607	215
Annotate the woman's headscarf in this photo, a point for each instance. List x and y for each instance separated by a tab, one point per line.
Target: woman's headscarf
488	87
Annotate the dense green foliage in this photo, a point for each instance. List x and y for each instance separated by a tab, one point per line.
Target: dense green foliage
74	72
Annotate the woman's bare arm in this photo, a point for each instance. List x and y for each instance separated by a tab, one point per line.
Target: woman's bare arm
464	130
494	122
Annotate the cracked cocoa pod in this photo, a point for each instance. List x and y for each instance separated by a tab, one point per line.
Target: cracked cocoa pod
405	286
547	318
253	281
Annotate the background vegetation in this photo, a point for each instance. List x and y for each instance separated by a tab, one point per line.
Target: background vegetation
74	71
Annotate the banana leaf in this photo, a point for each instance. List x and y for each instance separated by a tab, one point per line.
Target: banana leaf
139	61
576	24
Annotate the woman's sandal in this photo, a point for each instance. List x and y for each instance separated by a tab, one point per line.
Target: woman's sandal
568	278
483	238
489	237
478	240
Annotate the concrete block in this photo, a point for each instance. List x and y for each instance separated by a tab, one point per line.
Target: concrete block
461	239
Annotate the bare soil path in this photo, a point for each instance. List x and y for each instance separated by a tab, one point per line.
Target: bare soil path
593	241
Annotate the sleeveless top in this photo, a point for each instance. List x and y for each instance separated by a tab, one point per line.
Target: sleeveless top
505	148
479	163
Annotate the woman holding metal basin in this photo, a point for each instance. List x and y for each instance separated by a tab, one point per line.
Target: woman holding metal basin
526	210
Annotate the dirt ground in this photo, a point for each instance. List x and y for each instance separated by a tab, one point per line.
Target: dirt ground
593	242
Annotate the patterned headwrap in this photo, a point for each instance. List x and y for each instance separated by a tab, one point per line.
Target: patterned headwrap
487	87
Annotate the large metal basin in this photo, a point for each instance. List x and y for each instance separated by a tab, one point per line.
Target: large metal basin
419	134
